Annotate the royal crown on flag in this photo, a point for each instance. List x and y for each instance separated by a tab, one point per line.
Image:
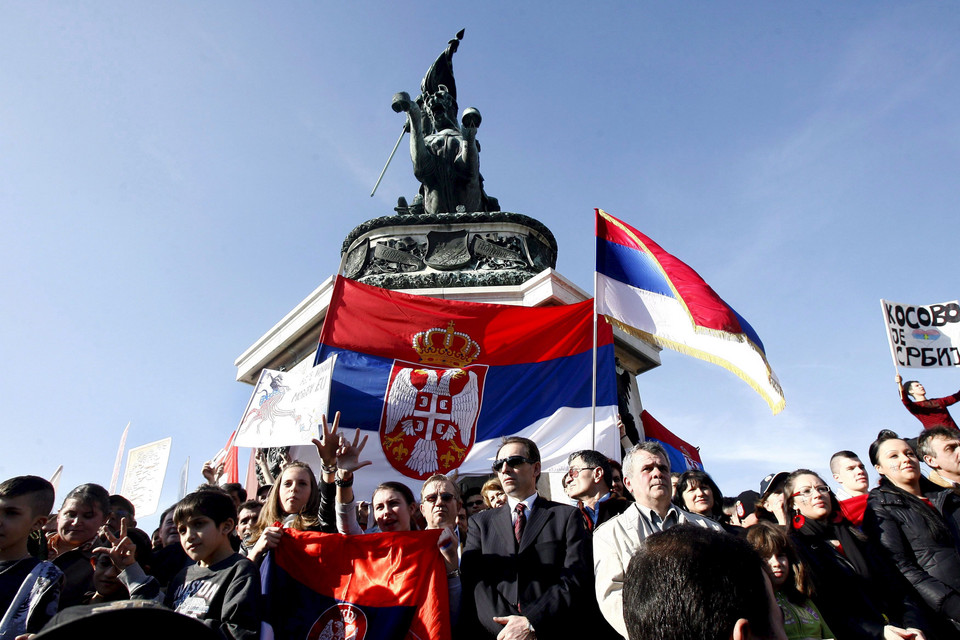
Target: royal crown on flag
445	347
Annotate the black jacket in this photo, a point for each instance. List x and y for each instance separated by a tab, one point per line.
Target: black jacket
927	556
857	606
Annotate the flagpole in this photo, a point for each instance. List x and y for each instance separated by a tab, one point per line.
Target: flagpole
119	460
593	389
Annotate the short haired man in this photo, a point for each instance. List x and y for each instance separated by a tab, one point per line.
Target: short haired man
647	476
247	516
526	566
691	582
588	482
439	502
940	449
473	501
851	474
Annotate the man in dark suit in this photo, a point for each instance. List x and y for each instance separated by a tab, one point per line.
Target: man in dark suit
527	566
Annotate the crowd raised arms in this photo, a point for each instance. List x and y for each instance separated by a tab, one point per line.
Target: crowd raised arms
633	551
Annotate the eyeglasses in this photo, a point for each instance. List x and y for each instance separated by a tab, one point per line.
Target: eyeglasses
443	497
512	461
573	472
807	492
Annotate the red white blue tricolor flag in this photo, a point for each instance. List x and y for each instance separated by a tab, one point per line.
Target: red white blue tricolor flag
381	586
437	383
683	455
653	295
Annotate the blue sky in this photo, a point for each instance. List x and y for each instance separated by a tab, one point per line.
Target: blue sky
175	177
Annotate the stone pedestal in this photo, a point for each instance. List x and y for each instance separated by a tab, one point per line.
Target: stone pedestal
426	251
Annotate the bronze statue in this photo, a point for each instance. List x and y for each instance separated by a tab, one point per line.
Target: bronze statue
446	158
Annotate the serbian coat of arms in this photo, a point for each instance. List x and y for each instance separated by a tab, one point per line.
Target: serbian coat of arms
430	408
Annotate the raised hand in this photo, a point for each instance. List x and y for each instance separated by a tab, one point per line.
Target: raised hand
329	440
212	473
122	550
348	457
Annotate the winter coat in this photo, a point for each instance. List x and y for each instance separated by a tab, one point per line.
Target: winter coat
928	558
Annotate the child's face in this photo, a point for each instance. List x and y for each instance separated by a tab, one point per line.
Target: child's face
205	541
105	579
778	568
79	522
294	489
17	520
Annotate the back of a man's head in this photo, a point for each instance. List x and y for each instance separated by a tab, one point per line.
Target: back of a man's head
690	582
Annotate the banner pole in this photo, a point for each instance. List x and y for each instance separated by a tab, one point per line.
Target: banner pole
593	390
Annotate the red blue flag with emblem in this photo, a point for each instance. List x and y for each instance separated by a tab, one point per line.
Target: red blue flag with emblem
381	586
437	383
653	295
683	455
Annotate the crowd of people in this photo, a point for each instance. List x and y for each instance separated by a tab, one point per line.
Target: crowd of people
636	551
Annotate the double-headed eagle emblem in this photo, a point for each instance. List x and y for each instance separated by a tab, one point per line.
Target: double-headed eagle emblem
430	411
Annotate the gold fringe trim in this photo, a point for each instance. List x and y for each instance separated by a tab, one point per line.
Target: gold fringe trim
776	404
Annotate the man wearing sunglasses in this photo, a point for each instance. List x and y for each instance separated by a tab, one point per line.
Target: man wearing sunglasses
473	501
439	502
588	482
527	569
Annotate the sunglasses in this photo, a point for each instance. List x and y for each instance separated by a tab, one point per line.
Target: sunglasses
512	461
475	503
443	497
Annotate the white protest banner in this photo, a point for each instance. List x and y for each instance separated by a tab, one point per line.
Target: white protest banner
286	406
143	477
923	336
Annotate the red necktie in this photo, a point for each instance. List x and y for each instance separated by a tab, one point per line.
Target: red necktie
587	520
520	523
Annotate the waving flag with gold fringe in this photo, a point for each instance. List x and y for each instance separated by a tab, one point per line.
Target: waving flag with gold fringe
653	295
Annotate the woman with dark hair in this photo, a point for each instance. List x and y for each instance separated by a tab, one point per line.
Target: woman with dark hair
791	582
859	594
84	511
698	493
918	532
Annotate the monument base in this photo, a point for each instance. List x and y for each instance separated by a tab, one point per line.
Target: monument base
427	251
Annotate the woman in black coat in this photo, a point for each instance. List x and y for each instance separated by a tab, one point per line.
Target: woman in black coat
859	594
917	531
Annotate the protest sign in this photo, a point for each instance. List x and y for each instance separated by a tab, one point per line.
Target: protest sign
143	477
923	336
286	407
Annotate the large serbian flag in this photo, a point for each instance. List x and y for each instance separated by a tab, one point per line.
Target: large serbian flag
437	383
321	586
651	294
683	455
